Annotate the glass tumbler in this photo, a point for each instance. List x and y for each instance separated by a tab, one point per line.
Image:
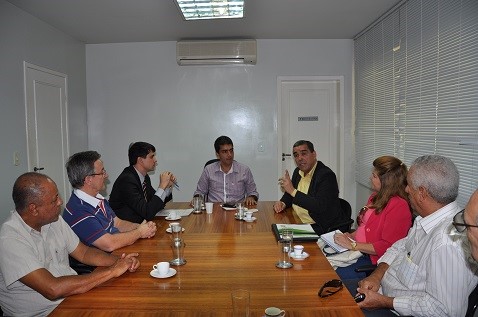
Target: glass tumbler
285	246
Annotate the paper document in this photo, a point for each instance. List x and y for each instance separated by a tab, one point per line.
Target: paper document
181	212
328	238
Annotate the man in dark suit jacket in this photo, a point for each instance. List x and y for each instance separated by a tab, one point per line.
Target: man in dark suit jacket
313	191
129	198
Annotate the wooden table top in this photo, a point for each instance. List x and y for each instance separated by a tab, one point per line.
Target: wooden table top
222	254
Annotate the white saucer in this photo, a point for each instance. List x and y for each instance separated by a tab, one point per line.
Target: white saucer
168	230
303	256
250	220
172	219
155	274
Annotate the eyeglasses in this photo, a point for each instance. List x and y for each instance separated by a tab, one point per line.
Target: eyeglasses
103	172
361	213
459	222
330	288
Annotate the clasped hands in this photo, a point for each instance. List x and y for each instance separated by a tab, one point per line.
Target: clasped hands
126	262
147	229
166	180
373	299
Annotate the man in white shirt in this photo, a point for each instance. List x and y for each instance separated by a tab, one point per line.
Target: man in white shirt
427	273
35	242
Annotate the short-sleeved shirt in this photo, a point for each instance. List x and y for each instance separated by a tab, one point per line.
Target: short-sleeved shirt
24	250
88	220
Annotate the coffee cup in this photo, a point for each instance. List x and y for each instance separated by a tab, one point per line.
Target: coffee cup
173	214
209	207
274	312
248	215
162	268
298	249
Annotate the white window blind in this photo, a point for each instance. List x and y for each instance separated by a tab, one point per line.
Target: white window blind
416	79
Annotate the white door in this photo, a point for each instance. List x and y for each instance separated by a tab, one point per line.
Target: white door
47	125
309	110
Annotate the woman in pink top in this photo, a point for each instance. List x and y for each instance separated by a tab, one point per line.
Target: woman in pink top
385	218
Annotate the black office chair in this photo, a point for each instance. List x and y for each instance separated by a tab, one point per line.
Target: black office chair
211	161
472	310
346	225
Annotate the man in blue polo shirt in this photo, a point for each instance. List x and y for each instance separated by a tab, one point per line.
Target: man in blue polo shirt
89	214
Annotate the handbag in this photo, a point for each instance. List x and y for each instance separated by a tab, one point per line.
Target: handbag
337	259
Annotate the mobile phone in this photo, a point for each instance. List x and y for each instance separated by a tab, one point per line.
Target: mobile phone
229	205
359	297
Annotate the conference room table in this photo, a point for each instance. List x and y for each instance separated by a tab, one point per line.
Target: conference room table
223	254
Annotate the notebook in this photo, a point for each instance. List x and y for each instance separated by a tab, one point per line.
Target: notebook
328	238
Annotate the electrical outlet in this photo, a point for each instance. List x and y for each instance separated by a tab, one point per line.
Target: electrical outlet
16	158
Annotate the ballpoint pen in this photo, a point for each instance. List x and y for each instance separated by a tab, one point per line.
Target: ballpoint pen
176	185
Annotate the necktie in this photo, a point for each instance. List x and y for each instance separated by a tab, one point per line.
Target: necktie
144	190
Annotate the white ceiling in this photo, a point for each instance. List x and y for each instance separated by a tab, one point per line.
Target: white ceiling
116	21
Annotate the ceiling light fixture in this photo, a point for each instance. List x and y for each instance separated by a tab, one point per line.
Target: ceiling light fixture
211	9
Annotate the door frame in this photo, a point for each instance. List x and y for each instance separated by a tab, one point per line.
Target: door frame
341	117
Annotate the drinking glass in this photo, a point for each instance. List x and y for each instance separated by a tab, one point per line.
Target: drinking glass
177	246
240	303
285	246
240	210
197	203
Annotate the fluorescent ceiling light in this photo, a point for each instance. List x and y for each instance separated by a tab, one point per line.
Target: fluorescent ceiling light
211	9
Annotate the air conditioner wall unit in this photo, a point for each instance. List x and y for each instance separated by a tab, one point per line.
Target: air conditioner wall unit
216	52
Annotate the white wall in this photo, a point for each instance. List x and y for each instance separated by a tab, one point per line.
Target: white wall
136	91
25	38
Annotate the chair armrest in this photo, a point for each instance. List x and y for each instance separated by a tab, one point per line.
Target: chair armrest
366	268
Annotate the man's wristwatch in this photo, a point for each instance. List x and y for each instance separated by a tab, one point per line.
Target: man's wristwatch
354	245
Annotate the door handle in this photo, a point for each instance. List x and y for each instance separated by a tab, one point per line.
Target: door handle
36	169
284	155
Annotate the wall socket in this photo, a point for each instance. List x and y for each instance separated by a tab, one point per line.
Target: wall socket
16	158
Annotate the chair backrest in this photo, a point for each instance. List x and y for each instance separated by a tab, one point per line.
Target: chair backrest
346	207
473	304
211	161
345	225
207	163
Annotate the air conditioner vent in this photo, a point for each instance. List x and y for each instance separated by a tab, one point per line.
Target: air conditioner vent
216	52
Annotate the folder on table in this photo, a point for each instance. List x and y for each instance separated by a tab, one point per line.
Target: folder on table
301	232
